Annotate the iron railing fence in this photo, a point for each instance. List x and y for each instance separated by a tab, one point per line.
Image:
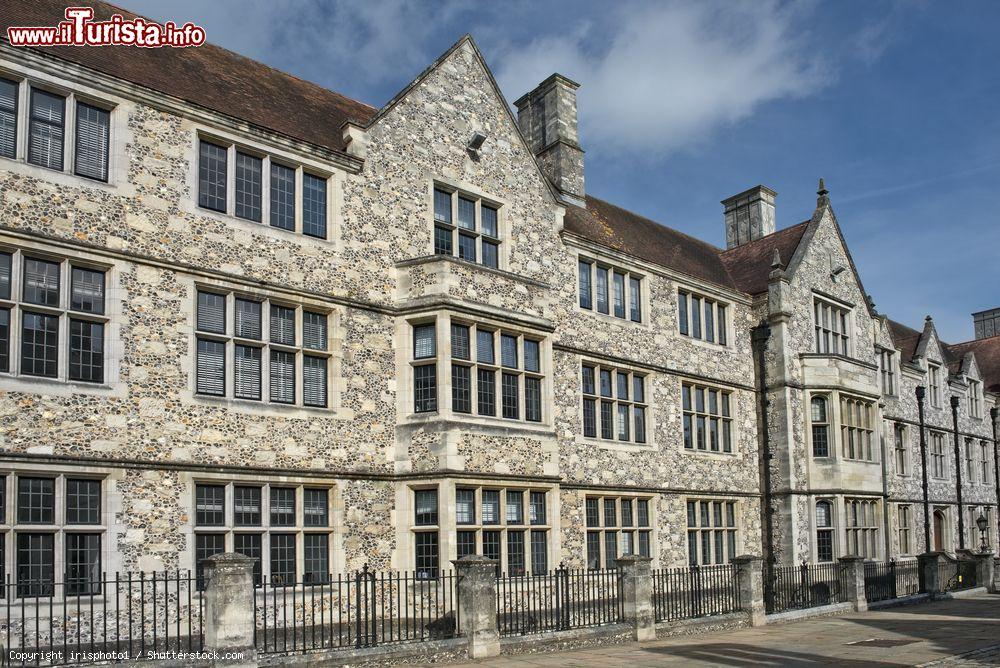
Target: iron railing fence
697	591
361	609
907	578
558	600
120	617
954	575
880	580
805	586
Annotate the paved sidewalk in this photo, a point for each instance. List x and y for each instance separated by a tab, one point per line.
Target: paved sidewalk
903	636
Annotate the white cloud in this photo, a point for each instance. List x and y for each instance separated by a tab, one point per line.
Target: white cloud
656	78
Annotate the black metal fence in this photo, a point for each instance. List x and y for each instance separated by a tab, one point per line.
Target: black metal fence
954	575
698	591
558	600
880	581
360	609
805	586
118	617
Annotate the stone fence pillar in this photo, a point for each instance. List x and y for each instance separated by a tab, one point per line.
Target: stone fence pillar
636	582
929	581
229	616
477	595
984	571
750	576
853	569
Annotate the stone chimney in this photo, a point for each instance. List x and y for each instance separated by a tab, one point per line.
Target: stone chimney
749	215
987	323
547	116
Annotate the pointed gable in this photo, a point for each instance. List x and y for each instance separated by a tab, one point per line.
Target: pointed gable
749	265
987	356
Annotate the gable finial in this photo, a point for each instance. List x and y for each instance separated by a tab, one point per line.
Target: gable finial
776	260
823	195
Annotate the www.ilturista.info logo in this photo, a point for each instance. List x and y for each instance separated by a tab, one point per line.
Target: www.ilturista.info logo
79	29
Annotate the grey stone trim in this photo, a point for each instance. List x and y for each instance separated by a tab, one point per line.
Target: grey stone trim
428	259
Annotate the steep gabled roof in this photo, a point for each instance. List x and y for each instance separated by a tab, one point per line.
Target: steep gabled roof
905	338
628	232
208	76
750	264
987	352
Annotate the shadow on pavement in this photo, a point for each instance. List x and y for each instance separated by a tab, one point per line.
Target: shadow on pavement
731	654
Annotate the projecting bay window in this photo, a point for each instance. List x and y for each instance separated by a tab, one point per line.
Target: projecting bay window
831	324
284	528
939	466
857	429
258	350
509	525
703	318
51	530
711	531
610	290
617	525
494	372
820	426
467	227
52	317
264	189
707	419
614	404
862	527
887	371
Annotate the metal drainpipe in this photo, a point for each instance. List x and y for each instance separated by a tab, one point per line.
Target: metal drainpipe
885	496
994	414
761	335
921	391
958	474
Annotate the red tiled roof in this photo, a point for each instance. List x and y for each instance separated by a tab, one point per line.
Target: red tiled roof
612	226
208	76
750	264
905	338
987	352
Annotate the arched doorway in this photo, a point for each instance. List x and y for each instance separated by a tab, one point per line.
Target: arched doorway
939	531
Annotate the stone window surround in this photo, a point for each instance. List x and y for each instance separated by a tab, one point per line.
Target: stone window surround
839	522
335	528
975	398
974	539
9	527
907	450
233	143
447	527
909	529
442	320
891	373
633	371
596	259
72	95
682	288
941	437
113	293
601	528
334	352
840	307
870	533
738	517
935	389
835	514
458	187
734	402
836	427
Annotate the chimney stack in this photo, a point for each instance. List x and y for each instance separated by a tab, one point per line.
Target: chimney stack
749	215
548	120
987	323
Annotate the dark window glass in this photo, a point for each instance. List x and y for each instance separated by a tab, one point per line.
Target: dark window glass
282	506
539	552
460	343
508	351
532	356
250	545
314	334
425	388
442	240
639	414
248	319
248	186
316	558
282	377
4	339
466	213
86	351
491	506
209	505
682	312
465	506
721	318
635	299
45	129
607	419
486	398
282	325
282	559
205	546
3	507
93	130
313	206
426	554
41	282
314	379
491	254
515	507
39	342
8	118
467	247
589	418
6	264
211	312
533	399
83	563
619	294
212	176
442	206
536	510
515	553
424	344
426	507
642	512
611	549
586	290
610	516
602	290
246	506
282	197
484	346
593	550
466	541
461	388
508	396
87	290
211	373
824	545
83	501
489	221
35	564
36	500
316	507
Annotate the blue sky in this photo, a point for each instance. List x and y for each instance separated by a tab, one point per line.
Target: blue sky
895	103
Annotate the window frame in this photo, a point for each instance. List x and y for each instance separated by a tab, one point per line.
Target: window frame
692	416
901	450
887	372
477	233
838	327
858	417
825	425
934	393
864	532
616	402
904	529
829	530
632	310
634	529
975	398
692	310
938	455
698	529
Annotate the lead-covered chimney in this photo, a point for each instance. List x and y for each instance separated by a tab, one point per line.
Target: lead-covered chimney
749	215
547	116
987	323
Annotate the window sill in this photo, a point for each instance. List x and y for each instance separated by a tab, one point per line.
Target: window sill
262	407
709	453
474	423
429	259
611	318
702	343
255	226
838	356
614	444
46	385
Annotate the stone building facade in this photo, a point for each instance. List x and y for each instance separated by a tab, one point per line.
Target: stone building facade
328	335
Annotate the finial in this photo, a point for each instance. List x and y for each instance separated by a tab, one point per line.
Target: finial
822	194
776	260
927	318
822	188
